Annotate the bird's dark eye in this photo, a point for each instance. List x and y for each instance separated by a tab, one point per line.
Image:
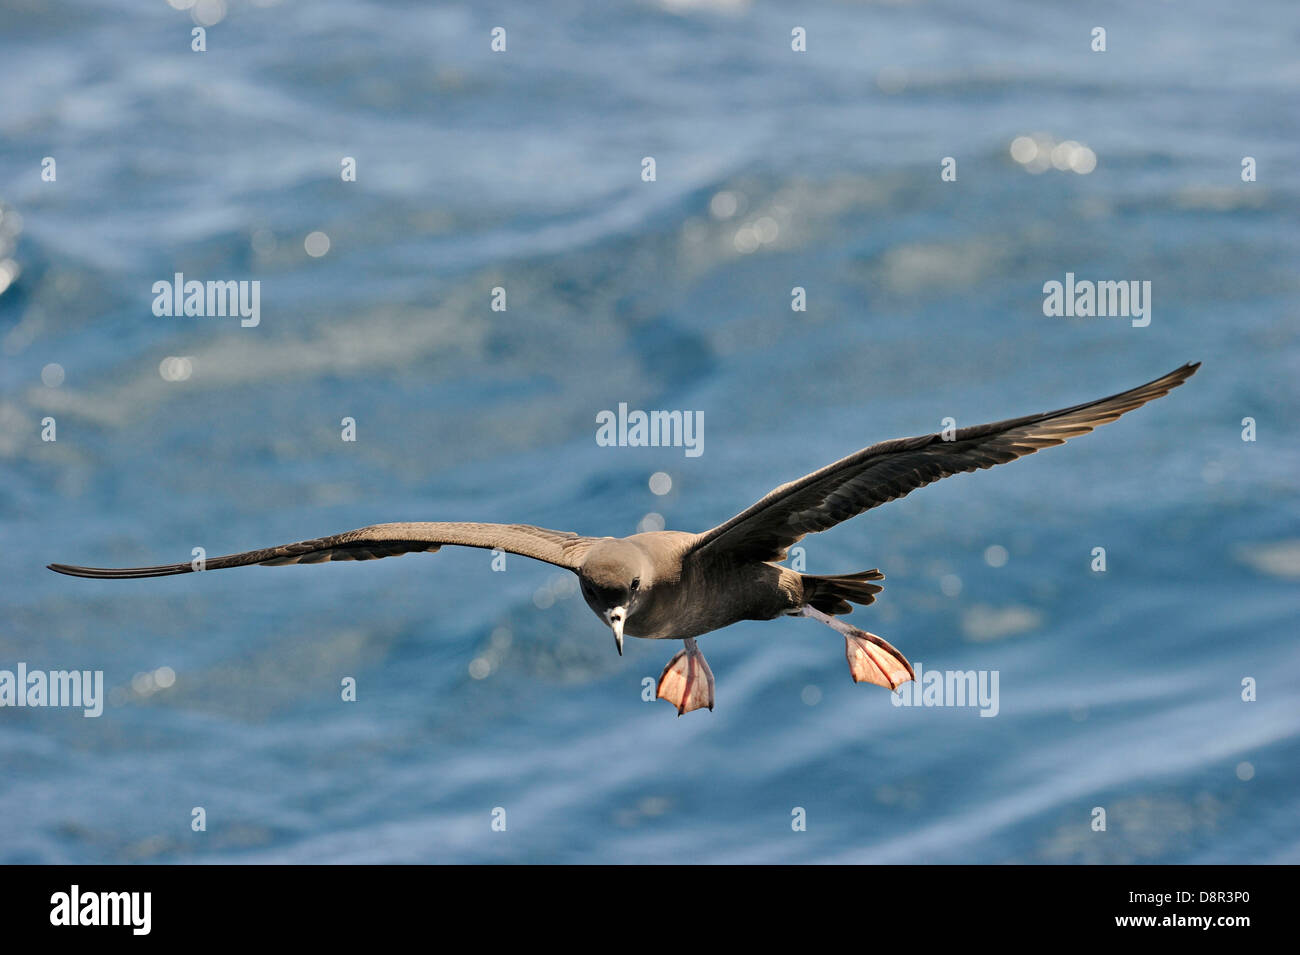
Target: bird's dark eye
636	582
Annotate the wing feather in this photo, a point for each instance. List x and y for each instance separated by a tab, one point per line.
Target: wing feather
562	548
892	469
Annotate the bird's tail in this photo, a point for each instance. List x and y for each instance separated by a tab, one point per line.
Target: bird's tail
834	595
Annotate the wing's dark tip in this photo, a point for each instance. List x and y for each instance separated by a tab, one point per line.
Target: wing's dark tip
117	573
1173	379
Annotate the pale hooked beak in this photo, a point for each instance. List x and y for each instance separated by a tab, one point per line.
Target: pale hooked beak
615	619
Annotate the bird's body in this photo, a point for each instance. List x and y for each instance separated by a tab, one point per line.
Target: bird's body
674	585
682	598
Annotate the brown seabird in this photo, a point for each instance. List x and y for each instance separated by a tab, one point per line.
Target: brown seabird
668	585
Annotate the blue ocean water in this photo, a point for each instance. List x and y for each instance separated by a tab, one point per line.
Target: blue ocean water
480	691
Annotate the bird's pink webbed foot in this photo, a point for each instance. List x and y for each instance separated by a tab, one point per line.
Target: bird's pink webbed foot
687	681
872	659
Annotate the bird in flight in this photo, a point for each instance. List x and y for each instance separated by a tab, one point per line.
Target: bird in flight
667	585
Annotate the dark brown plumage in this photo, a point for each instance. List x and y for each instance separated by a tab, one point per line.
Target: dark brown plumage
675	585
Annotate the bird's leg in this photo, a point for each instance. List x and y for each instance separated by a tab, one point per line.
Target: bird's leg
871	658
687	681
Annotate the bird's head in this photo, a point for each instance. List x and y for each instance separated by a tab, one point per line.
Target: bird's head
614	576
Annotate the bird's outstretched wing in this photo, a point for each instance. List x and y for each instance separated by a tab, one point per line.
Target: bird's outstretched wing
892	469
562	548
